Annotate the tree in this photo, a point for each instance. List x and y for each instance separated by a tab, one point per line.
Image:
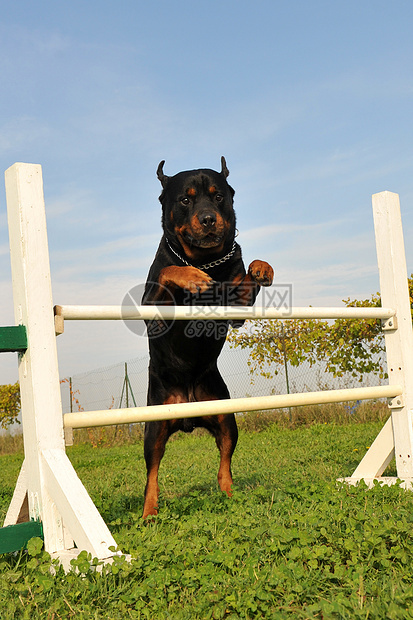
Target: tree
9	404
353	346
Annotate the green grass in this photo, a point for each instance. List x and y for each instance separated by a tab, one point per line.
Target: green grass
291	543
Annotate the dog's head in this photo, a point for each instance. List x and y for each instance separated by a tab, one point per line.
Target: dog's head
197	210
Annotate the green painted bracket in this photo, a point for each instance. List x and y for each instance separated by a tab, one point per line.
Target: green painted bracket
13	339
16	537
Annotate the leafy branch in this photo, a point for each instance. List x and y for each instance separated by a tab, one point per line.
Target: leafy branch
9	404
346	346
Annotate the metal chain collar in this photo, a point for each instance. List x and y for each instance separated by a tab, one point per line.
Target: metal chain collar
207	266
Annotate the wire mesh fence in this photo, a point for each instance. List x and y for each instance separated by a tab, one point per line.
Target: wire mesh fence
125	384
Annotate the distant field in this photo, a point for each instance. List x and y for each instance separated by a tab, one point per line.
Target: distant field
291	543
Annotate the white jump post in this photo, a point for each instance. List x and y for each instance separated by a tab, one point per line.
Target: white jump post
48	488
396	437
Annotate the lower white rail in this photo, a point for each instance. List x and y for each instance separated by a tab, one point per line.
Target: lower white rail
107	417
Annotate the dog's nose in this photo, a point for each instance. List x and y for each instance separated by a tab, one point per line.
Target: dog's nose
208	220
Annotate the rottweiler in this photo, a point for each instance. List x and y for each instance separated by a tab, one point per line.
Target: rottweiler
198	262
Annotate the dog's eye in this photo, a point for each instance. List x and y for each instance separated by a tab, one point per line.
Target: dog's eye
219	197
185	201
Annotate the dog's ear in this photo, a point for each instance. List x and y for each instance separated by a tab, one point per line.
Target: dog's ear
161	176
224	169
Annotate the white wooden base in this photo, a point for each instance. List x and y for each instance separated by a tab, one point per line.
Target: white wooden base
82	524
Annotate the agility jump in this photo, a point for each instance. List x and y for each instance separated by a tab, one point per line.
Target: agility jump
48	489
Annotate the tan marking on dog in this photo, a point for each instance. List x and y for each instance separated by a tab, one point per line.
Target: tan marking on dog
189	278
196	229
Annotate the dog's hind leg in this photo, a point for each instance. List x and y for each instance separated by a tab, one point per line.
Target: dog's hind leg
226	436
222	427
156	436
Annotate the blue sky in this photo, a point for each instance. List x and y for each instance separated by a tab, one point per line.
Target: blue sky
310	102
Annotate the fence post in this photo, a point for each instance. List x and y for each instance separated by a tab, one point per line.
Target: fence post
287	382
69	431
127	384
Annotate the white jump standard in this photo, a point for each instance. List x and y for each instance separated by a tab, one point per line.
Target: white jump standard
48	488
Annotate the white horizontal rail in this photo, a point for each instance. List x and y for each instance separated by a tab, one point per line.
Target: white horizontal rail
107	417
128	313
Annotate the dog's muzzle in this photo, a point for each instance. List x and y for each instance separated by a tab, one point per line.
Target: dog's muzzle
208	220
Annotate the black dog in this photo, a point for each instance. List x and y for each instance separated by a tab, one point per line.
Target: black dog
198	262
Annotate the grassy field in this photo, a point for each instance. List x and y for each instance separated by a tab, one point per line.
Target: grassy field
291	543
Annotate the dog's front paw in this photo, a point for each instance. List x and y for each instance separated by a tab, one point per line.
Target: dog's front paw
189	278
197	281
261	272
